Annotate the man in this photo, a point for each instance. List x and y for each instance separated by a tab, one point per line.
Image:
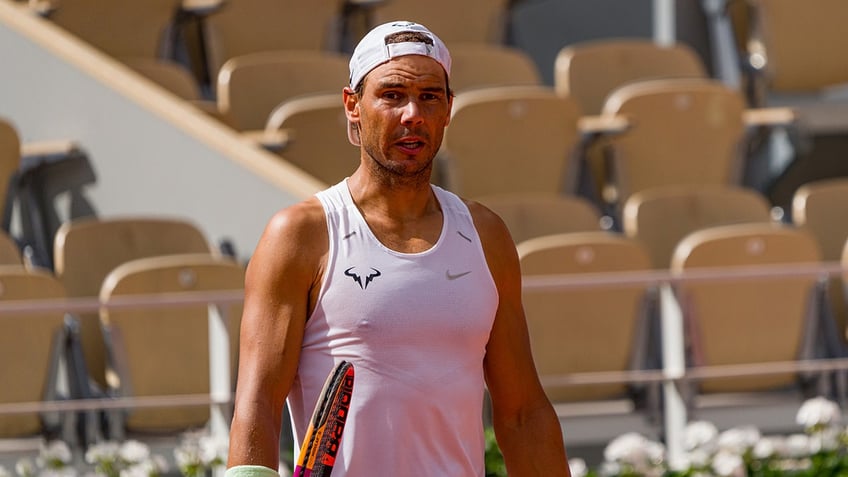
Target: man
420	290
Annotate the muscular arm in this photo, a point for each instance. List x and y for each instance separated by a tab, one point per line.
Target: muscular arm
526	426
282	276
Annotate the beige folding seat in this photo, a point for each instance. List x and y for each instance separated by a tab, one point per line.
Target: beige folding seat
87	250
10	160
758	319
592	330
479	65
32	344
589	71
510	139
164	350
660	217
682	132
250	86
485	21
119	28
821	208
534	215
252	26
315	128
10	254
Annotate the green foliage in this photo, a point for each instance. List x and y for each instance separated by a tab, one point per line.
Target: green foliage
495	466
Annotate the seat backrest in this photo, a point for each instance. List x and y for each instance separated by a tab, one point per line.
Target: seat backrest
485	23
821	208
745	320
803	45
30	343
252	26
510	139
586	329
252	85
479	65
683	132
589	71
170	75
317	136
660	217
165	350
534	215
10	253
10	158
87	250
120	29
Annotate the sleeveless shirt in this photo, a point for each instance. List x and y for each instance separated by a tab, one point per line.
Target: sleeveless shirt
415	327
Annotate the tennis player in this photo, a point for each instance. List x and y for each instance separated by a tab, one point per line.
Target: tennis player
419	289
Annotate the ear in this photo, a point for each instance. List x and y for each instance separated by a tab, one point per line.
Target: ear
450	109
351	105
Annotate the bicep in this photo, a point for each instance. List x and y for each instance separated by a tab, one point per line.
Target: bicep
510	371
279	278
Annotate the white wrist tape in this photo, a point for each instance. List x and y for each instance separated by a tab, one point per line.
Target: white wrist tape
250	471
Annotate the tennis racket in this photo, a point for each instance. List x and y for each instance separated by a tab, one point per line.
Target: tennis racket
321	443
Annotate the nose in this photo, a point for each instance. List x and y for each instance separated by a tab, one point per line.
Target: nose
411	113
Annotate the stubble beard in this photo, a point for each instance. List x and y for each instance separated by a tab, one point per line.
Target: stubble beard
397	174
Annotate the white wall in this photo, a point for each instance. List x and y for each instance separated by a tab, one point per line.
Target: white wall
151	152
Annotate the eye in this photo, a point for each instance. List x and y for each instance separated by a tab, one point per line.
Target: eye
392	95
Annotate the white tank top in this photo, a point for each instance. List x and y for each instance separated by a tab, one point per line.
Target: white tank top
415	326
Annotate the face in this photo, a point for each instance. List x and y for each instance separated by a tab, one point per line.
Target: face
401	114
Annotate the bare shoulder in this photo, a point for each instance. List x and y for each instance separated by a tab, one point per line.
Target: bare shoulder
492	230
294	236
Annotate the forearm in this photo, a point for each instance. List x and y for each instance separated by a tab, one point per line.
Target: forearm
255	438
532	443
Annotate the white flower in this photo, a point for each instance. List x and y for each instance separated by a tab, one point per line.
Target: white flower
55	454
628	448
58	472
213	451
4	472
771	446
134	451
738	439
578	467
700	435
729	464
107	451
797	446
25	467
697	458
818	412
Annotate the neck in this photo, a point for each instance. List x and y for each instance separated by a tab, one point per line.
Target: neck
392	197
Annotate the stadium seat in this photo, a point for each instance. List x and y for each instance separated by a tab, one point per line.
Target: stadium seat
120	29
252	85
821	208
660	217
161	350
33	344
511	139
253	26
534	215
86	250
477	65
592	330
10	161
684	132
316	136
589	71
738	320
486	22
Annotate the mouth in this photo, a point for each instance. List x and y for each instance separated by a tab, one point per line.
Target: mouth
410	146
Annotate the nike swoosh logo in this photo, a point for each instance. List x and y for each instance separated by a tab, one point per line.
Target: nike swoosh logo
451	276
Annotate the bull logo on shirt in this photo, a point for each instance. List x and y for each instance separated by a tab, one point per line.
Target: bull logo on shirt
363	279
